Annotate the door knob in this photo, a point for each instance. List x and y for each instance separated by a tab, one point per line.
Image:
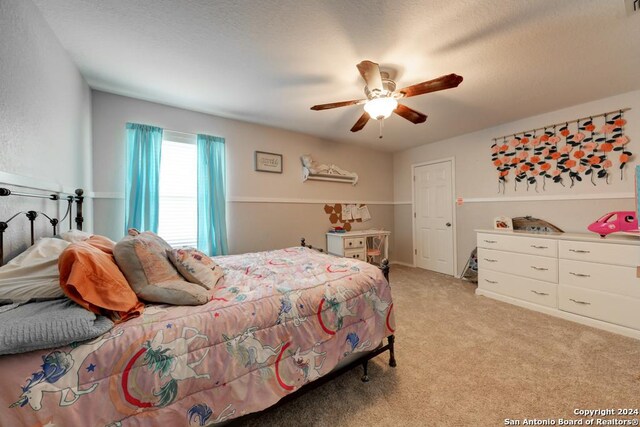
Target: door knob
448	224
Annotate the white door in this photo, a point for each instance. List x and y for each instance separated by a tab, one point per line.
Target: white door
433	210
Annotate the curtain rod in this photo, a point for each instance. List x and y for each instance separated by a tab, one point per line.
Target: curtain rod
621	110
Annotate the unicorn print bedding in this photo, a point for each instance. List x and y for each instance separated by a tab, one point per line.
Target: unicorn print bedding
277	320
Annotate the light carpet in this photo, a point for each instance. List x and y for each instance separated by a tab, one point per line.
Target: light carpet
467	360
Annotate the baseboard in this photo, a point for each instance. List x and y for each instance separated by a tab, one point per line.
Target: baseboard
609	327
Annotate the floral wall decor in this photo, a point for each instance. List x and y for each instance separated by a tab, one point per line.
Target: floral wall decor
590	148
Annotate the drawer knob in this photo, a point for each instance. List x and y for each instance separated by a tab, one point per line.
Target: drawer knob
579	274
491	241
350	243
539	293
580	302
579	251
490	260
539	268
493	282
539	247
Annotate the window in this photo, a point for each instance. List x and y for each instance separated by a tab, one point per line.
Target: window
178	204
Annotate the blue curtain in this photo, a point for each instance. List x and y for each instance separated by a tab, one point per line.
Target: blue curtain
144	144
212	222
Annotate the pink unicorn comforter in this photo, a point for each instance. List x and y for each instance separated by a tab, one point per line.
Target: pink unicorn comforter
277	321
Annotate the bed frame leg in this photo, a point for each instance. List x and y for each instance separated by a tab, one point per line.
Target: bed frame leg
365	367
392	356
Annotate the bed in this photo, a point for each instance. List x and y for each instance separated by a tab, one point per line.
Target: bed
278	323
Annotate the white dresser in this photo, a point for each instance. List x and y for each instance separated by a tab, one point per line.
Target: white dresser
580	277
353	244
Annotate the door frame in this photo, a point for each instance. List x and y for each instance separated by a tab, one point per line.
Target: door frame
452	160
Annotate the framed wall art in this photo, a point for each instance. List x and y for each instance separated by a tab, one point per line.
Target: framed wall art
268	162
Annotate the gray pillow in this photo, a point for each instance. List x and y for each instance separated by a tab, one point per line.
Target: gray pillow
142	257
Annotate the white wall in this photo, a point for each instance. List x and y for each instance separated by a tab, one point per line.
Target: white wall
476	178
45	110
252	226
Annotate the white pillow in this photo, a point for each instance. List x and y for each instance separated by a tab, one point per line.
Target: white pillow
34	273
73	236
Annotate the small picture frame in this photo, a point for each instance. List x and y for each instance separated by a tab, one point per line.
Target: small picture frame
268	162
502	223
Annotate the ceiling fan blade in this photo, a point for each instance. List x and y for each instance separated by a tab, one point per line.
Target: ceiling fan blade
370	72
413	116
441	83
338	104
364	118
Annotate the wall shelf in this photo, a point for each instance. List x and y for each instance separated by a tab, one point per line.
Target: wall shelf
315	171
332	178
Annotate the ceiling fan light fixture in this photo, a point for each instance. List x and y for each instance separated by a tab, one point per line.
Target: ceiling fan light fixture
380	108
381	96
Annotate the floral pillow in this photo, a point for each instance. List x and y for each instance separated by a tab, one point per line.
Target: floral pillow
196	266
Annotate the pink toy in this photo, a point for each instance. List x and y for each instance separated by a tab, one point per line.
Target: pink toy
614	222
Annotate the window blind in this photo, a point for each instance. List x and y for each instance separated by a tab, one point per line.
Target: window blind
178	213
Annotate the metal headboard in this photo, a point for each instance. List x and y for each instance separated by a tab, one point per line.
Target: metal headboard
78	198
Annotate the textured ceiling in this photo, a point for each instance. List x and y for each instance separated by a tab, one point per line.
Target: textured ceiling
268	61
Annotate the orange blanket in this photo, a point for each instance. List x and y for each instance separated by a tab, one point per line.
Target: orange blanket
90	276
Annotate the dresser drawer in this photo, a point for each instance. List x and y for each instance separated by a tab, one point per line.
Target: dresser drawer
611	308
519	244
522	288
534	267
606	253
354	242
355	253
614	279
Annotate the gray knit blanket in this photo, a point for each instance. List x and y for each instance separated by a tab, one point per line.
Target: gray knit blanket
47	324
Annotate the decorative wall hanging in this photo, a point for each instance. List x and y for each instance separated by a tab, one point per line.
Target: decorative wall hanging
268	162
564	152
313	170
346	214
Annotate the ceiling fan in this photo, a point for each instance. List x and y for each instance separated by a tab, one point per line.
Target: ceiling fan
382	96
